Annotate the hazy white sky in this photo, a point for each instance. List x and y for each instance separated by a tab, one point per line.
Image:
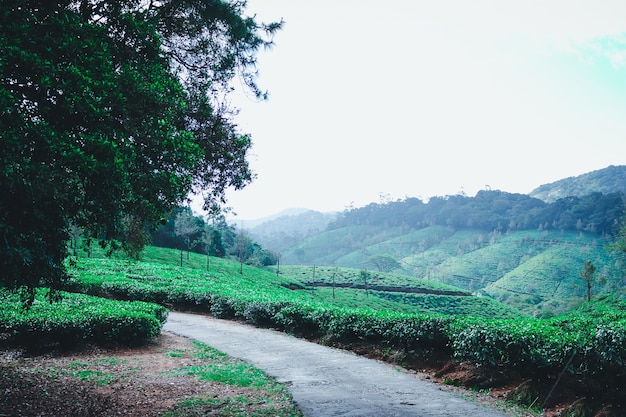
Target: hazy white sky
422	98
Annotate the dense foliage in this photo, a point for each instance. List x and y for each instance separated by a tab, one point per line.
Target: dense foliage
110	114
493	210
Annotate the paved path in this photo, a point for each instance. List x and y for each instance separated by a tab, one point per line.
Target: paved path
324	381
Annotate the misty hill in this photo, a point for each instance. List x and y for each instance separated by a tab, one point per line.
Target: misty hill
608	180
250	224
286	230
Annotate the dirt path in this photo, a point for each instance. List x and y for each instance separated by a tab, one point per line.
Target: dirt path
324	381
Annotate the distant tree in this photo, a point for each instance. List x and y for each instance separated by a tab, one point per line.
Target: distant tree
185	226
588	276
75	233
228	235
365	276
210	240
263	257
111	112
618	245
243	249
384	263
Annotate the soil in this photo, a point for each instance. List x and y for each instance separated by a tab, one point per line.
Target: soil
94	381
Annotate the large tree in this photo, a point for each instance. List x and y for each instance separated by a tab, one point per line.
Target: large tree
110	115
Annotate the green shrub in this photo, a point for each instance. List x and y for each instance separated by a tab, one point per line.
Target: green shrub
533	346
301	319
224	307
262	313
607	350
79	318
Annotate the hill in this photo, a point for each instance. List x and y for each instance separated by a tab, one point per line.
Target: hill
608	180
289	227
516	248
252	223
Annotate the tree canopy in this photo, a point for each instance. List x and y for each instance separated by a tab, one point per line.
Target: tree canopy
493	210
111	113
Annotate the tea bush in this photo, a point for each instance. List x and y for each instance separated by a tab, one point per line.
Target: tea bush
606	351
527	345
79	318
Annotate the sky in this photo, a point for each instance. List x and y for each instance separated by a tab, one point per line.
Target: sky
373	101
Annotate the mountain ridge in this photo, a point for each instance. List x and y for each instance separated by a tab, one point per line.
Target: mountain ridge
605	180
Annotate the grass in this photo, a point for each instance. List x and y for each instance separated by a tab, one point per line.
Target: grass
228	407
266	395
100	372
220	367
197	381
385	292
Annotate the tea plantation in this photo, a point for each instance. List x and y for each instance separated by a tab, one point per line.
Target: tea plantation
122	301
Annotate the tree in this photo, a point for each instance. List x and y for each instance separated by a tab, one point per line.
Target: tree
365	276
618	245
186	225
110	116
384	263
261	257
588	275
74	234
211	240
243	249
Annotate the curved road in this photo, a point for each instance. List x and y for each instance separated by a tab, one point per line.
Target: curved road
324	381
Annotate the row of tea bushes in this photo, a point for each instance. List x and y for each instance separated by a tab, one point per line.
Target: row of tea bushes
78	318
592	339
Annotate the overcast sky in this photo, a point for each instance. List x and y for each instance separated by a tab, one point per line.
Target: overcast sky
424	98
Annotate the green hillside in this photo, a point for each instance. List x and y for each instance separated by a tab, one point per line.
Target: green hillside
158	278
532	270
527	251
517	249
353	288
326	247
